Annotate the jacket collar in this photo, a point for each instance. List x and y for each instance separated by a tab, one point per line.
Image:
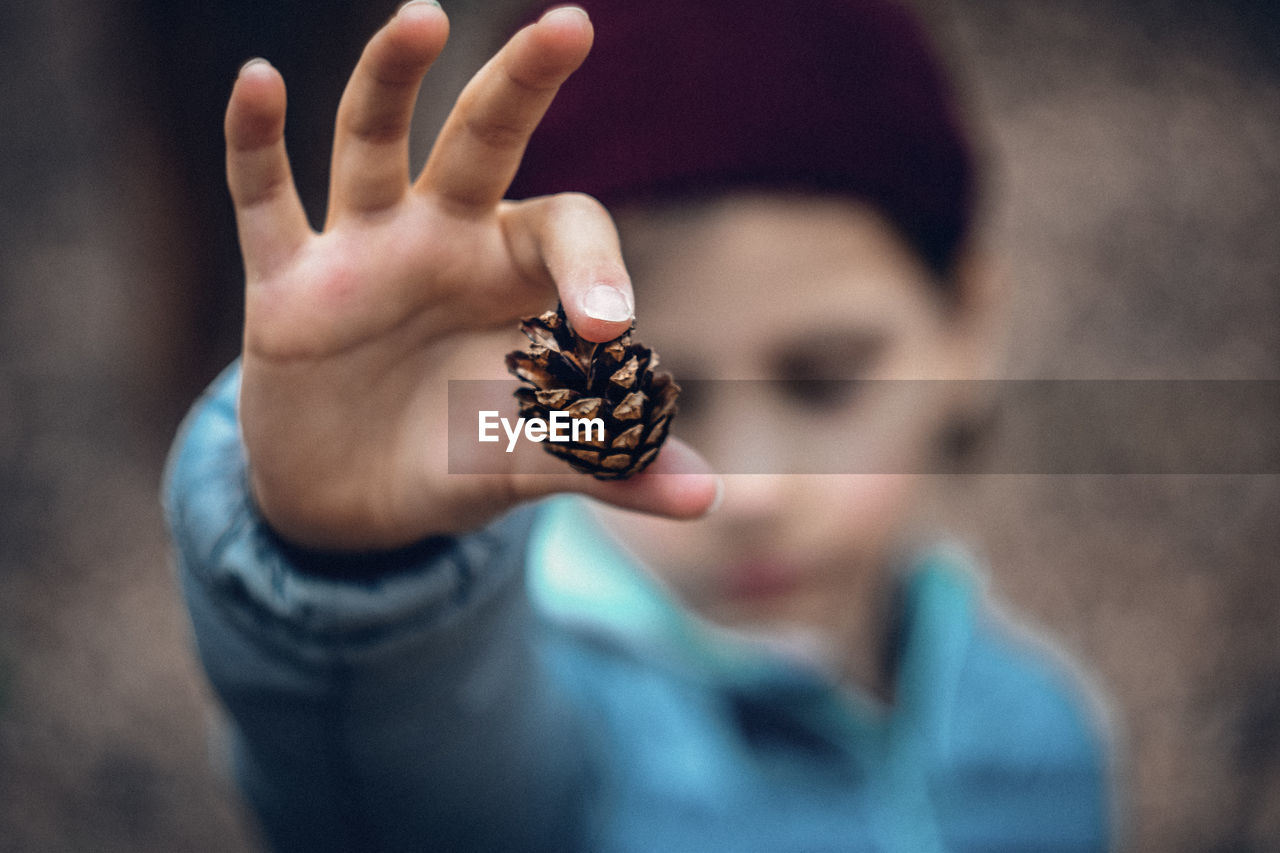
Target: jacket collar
580	577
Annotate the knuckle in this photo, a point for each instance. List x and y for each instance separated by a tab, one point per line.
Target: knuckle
399	72
253	187
492	133
534	82
488	126
578	205
378	129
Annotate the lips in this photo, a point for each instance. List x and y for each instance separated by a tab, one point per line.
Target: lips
761	579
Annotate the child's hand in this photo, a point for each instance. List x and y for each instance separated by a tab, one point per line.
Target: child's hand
347	331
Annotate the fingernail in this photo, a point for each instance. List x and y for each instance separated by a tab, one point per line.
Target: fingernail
404	6
559	9
718	499
257	60
604	302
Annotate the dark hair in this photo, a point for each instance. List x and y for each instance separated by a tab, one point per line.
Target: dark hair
831	96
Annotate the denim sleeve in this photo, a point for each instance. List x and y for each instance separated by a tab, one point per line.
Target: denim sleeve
406	711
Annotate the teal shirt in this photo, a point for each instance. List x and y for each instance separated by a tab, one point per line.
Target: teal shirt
526	687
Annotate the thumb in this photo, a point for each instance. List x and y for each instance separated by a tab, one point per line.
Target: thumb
679	484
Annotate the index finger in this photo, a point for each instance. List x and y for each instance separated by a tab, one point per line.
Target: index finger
480	146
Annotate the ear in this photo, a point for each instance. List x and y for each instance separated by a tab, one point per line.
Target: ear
978	320
979	314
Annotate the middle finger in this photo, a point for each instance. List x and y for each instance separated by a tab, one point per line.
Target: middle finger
370	167
480	146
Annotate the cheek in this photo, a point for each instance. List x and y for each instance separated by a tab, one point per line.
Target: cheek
858	515
829	517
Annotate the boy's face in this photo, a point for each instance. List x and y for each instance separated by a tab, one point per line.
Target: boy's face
782	288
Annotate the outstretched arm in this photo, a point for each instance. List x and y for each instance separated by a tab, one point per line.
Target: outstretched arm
360	612
410	712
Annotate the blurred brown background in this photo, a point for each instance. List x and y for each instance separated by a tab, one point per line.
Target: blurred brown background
1137	153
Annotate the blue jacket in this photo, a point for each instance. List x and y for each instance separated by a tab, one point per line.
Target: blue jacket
505	691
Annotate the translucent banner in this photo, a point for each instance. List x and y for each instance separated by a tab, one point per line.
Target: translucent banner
823	426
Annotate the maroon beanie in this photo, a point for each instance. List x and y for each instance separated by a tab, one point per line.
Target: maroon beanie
687	97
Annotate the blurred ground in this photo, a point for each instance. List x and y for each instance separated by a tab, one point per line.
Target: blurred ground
1138	153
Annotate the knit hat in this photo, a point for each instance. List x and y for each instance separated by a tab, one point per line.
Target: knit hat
685	97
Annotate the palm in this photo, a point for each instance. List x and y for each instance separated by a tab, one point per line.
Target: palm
342	395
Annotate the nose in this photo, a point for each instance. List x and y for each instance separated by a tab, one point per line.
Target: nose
731	422
751	501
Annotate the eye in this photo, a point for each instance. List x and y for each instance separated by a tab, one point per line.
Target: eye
824	373
819	395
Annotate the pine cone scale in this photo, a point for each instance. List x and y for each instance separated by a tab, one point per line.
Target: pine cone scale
612	381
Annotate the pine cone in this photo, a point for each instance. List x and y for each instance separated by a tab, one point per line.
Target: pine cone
613	381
